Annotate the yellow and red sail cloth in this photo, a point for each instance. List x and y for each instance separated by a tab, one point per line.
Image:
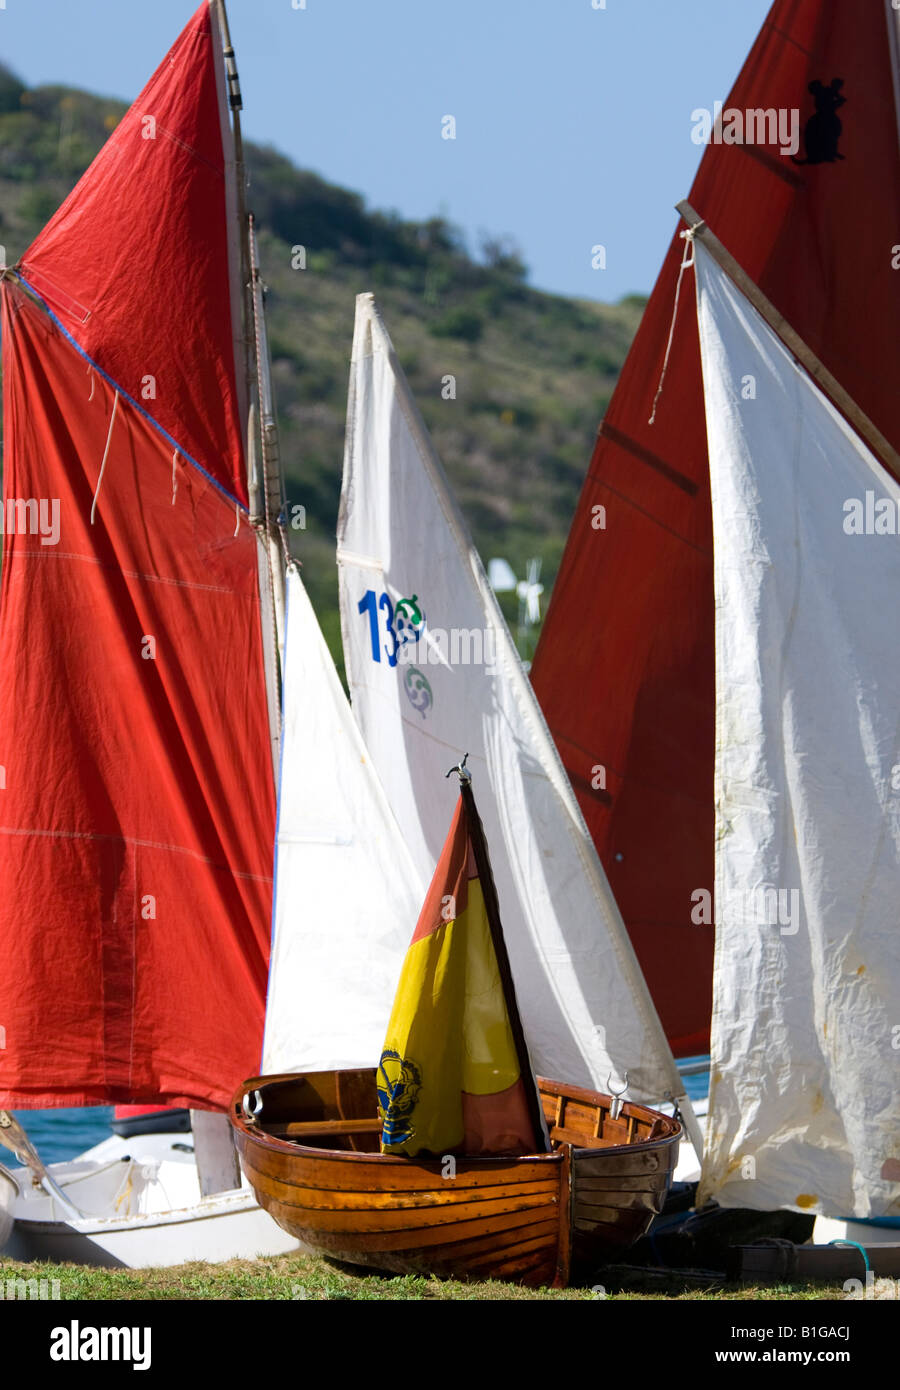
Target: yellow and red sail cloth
450	1077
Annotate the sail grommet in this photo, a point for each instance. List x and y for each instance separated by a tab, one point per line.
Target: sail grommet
616	1104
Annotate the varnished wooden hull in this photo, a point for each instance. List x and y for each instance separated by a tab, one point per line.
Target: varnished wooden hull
540	1219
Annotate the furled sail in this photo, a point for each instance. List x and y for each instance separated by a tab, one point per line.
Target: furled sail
804	1095
624	671
137	800
347	895
433	674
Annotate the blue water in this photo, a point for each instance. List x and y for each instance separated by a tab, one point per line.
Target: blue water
697	1087
62	1134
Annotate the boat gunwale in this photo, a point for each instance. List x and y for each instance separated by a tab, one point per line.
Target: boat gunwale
260	1136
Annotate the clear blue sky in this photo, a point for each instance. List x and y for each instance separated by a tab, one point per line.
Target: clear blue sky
573	124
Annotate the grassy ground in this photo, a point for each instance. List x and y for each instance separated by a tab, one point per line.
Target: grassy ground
287	1277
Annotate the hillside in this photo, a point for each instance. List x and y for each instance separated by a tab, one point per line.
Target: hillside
533	371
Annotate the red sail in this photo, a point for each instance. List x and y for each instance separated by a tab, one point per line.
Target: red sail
136	796
625	666
136	261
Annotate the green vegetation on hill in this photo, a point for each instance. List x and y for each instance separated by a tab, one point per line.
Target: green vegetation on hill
534	371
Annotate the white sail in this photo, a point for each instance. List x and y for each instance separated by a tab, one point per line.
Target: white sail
434	674
804	1102
347	895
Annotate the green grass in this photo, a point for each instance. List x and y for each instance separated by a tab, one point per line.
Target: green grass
289	1277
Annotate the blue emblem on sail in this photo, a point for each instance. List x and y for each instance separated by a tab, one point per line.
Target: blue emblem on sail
418	690
398	1082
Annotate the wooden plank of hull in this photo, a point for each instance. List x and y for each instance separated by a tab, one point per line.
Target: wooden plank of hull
472	1248
389	1219
621	1162
358	1172
527	1252
595	1218
332	1199
531	1235
624	1202
536	1270
643	1182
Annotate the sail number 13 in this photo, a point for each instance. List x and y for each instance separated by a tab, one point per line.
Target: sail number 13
371	604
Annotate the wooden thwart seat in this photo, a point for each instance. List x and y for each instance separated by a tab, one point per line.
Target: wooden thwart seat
306	1129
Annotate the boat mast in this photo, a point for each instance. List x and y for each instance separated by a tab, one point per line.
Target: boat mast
273	482
265	498
218	1169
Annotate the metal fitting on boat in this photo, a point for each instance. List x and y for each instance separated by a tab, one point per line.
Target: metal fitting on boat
252	1109
615	1108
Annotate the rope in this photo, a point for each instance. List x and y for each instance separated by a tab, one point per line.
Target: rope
112	421
285	545
688	247
93	383
111	382
856	1246
174	478
237	518
265	458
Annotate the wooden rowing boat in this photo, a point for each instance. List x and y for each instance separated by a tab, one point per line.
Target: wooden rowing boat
309	1146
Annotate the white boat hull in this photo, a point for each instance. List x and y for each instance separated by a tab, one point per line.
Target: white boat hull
141	1207
831	1228
9	1191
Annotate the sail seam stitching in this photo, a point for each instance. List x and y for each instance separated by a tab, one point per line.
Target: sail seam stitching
19	555
133	840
